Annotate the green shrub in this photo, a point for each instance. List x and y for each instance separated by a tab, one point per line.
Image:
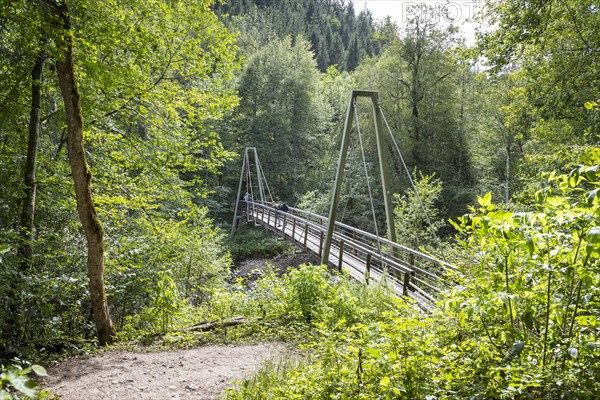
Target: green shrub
531	292
310	290
414	214
15	382
250	241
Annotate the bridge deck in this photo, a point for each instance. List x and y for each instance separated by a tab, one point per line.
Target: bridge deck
364	256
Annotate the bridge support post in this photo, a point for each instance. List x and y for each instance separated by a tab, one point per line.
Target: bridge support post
239	194
406	284
262	210
335	198
321	244
284	222
341	255
368	269
305	236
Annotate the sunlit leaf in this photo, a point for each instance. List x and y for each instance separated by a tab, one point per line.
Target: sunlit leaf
593	235
39	370
486	200
586	320
385	381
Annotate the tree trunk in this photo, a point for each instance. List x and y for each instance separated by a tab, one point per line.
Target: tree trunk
28	212
82	177
416	123
507	192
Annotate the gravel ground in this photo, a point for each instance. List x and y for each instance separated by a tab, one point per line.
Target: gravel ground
200	374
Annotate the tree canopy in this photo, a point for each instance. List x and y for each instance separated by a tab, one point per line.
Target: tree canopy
150	77
337	35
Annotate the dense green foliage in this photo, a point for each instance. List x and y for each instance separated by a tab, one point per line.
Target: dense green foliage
173	91
278	112
292	305
151	88
549	54
477	131
523	323
337	35
15	382
540	305
255	242
416	211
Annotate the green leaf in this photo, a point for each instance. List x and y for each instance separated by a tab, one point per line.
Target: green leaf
39	370
528	319
399	390
530	246
22	383
485	200
455	225
574	181
375	353
385	381
515	351
591	196
593	235
591	173
586	320
554	201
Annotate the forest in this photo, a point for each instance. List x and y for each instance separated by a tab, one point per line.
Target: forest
123	125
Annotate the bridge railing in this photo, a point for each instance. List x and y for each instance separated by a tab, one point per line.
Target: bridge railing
366	256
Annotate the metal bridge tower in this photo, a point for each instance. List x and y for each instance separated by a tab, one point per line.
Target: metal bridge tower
387	196
247	171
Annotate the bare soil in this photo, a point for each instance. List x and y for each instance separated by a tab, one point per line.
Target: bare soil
251	268
202	373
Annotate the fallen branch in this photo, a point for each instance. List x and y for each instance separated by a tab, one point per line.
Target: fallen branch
208	326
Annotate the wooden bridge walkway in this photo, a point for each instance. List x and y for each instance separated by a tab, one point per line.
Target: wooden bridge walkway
363	255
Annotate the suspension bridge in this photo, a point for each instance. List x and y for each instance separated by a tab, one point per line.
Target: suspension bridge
366	256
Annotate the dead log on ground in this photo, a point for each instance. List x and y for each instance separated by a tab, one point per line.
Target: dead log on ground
209	326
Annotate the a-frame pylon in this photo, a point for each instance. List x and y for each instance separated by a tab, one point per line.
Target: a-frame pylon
335	198
246	172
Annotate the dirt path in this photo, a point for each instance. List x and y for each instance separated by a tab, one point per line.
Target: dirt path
200	374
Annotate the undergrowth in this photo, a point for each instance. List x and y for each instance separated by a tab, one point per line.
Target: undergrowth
523	324
251	241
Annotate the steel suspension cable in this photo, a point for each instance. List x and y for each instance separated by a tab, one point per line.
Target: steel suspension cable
412	183
364	160
247	167
351	158
323	208
261	174
248	175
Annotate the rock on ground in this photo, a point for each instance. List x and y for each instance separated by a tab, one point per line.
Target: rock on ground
250	268
200	374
